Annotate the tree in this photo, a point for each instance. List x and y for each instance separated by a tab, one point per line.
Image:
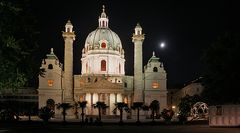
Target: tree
185	106
121	106
82	105
51	104
137	106
64	107
167	115
100	106
222	72
154	106
19	62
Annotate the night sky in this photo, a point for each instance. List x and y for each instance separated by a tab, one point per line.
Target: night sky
187	28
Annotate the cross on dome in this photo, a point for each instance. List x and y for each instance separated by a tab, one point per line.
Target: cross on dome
103	15
103	8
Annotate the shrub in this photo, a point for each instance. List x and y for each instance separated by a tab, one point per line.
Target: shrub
167	115
45	113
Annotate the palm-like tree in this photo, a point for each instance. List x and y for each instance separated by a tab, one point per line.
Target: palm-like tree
121	106
154	106
65	107
100	106
138	106
82	105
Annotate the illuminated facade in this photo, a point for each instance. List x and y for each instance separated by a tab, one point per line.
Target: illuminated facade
103	72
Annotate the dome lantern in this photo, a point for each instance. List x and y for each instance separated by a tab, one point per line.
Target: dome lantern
103	20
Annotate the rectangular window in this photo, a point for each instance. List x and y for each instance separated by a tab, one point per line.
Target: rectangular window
125	84
155	85
50	82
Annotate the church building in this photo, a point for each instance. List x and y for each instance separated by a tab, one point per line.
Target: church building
102	75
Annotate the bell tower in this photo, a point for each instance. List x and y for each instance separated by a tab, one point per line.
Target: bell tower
137	39
69	37
50	84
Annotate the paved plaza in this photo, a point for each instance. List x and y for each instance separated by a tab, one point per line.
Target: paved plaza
76	127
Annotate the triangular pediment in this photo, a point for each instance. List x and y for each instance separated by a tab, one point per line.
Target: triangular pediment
103	84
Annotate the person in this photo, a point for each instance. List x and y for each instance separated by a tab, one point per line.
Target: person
86	120
91	120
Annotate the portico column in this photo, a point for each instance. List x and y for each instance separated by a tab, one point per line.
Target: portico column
129	100
108	104
99	96
84	97
91	103
115	97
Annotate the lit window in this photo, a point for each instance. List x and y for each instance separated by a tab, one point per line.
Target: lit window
103	65
81	98
125	100
155	85
50	82
103	45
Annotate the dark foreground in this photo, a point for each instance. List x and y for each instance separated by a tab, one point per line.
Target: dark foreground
26	127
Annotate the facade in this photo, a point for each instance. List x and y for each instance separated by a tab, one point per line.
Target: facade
195	87
20	100
21	95
103	72
224	116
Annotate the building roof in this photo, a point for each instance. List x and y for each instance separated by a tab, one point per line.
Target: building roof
52	55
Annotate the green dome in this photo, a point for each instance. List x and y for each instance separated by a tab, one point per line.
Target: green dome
103	35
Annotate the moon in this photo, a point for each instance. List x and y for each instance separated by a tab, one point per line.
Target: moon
162	45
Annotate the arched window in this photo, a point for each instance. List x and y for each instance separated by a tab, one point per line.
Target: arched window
155	69
103	45
119	68
103	23
50	66
103	65
88	79
125	84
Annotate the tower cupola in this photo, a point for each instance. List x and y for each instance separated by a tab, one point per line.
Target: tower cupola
68	26
138	29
